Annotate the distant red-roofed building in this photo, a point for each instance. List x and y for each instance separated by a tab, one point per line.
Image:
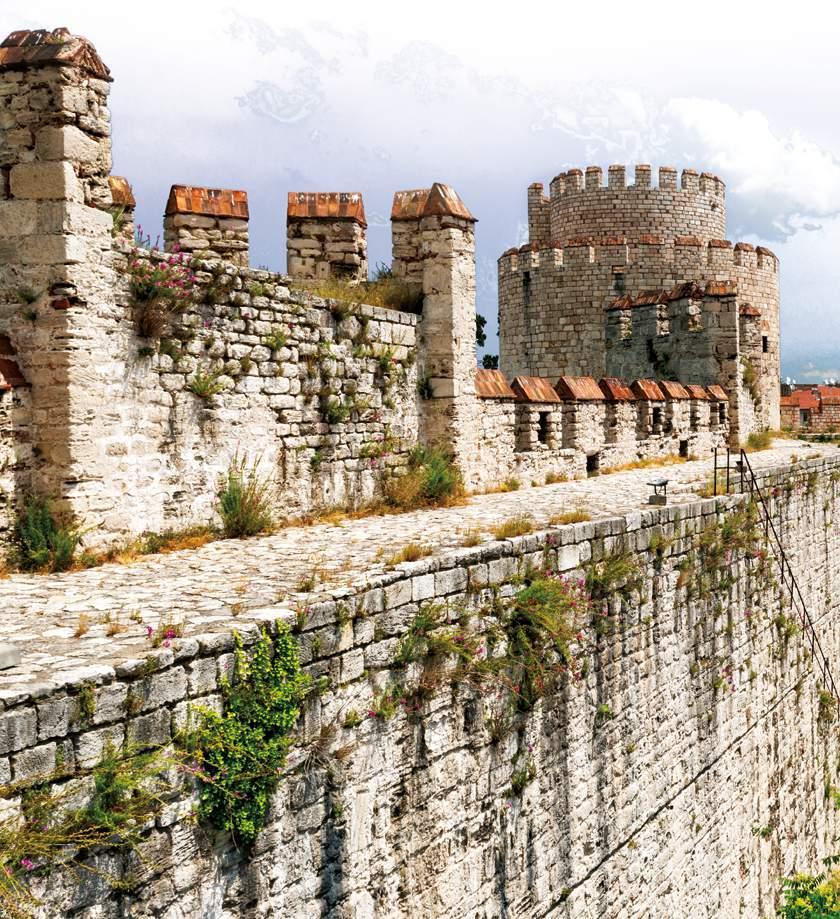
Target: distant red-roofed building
815	409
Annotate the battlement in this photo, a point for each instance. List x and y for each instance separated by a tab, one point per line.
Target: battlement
682	256
576	181
581	204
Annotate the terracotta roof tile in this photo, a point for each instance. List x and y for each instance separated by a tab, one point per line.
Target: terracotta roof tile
616	390
688	291
717	393
623	303
438	201
41	47
210	202
747	309
647	389
327	205
533	389
673	390
650	239
121	192
744	247
10	375
492	384
648	297
687	241
697	392
583	388
720	244
761	250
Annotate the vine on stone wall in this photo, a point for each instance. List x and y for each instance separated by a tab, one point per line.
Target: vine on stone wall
240	753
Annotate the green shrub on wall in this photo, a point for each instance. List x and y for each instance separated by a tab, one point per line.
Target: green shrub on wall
43	542
241	752
812	897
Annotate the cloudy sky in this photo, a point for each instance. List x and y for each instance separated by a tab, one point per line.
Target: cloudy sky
374	97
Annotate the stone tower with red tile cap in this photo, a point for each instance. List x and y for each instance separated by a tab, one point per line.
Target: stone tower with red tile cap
326	236
433	234
56	246
209	223
592	244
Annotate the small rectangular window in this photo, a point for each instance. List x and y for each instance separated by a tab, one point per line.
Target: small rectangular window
721	412
684	448
542	428
592	463
765	344
656	419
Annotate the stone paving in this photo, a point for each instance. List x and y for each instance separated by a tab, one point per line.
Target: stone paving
221	584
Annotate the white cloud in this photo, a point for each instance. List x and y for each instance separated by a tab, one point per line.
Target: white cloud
778	183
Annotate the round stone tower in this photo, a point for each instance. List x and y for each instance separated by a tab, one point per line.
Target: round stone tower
591	244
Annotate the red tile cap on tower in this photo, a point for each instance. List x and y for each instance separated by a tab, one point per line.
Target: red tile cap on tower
121	192
331	205
533	389
647	389
579	388
616	390
673	390
747	309
58	47
697	392
209	202
491	384
717	393
438	201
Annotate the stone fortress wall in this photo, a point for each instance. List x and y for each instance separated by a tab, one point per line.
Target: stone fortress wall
682	775
592	245
130	427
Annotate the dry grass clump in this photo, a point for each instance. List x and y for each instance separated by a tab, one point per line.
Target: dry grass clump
514	526
383	290
411	552
432	480
649	463
578	515
759	440
472	537
552	478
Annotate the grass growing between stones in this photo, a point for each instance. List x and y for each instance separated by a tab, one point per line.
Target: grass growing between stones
244	501
411	552
54	832
649	463
383	290
514	526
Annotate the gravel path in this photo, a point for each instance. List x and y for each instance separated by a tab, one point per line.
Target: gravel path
208	588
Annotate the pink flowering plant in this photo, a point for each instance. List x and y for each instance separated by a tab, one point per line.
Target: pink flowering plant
161	285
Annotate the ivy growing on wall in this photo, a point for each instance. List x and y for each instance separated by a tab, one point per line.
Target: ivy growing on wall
241	752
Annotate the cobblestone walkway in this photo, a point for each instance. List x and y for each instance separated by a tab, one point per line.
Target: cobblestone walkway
225	582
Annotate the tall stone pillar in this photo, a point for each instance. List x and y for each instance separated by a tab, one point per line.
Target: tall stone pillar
434	246
56	246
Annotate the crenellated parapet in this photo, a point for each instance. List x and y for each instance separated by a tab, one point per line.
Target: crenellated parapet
685	255
580	203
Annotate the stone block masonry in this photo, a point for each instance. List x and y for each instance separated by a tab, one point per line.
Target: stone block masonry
326	236
681	776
